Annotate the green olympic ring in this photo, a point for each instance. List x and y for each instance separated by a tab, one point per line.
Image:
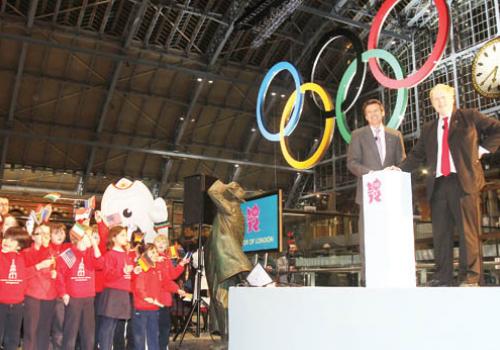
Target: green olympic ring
401	99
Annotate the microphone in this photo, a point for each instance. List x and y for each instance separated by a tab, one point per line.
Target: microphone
376	138
442	127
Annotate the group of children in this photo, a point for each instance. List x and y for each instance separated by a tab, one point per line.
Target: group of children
61	293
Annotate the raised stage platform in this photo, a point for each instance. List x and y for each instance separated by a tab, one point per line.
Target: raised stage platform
364	318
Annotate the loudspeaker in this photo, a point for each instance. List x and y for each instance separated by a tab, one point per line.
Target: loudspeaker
198	207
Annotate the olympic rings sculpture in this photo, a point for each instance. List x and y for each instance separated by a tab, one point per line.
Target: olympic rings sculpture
354	72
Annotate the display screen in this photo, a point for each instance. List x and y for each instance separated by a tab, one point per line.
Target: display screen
262	223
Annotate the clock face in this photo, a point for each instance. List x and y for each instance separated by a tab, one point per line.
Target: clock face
486	69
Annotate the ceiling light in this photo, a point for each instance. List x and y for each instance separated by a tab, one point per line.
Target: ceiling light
199	80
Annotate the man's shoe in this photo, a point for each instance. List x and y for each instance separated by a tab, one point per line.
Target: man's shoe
467	284
436	283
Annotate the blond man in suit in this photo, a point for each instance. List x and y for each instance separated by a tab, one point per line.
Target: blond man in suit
450	146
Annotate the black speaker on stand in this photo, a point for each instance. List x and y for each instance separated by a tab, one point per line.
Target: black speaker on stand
198	207
198	210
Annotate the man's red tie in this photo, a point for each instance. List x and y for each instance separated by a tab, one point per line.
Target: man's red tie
445	150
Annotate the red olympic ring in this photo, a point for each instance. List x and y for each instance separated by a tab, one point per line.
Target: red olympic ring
432	60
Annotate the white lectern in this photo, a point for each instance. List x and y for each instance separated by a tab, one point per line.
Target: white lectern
388	229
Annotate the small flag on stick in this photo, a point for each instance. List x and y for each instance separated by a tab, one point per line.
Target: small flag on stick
30	223
78	231
68	257
42	213
145	263
90	203
53	196
113	220
172	252
82	214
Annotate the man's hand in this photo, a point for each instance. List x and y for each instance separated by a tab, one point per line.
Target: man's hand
392	167
65	299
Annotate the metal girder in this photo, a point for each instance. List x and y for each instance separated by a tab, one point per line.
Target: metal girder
82	13
253	138
415	18
216	17
79	108
152	151
56	11
105	19
215	121
136	139
202	70
341	19
169	98
197	29
112	85
152	26
214	49
40	83
152	81
175	26
203	73
17	86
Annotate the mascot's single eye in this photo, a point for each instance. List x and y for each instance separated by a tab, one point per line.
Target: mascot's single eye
127	213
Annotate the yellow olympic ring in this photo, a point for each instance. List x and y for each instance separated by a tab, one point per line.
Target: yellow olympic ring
327	134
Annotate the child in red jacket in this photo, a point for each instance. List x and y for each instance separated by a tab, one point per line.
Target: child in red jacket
41	294
115	301
13	274
57	245
169	275
147	295
149	290
76	286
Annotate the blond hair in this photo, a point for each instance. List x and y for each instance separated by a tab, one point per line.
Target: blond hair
446	88
160	237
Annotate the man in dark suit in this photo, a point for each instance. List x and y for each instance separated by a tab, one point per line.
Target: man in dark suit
373	147
450	148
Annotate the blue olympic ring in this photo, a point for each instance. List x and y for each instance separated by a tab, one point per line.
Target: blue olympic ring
299	102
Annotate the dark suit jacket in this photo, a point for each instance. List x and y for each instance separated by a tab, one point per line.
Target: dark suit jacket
363	156
466	128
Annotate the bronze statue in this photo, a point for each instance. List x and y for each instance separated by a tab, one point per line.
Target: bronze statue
224	257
